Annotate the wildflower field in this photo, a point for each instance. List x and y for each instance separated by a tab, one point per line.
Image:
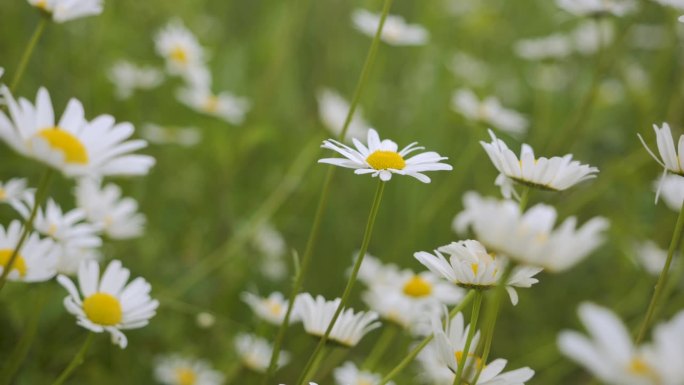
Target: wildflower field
341	192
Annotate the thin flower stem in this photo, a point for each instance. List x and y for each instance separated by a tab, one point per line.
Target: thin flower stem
380	347
76	361
662	280
524	198
368	233
28	51
41	194
325	192
414	353
477	302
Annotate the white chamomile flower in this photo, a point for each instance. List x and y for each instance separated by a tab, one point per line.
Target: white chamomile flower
269	242
470	266
13	190
180	48
317	313
349	374
71	258
333	110
677	4
66	10
224	105
681	19
35	262
651	257
381	159
104	207
470	69
597	7
271	308
107	303
672	190
73	146
179	370
395	31
128	77
489	111
182	136
666	352
591	35
255	352
553	47
529	238
670	158
555	174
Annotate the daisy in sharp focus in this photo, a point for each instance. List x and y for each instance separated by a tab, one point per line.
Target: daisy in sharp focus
224	105
271	309
670	158
597	7
381	159
255	352
13	190
395	31
128	77
178	370
37	259
488	110
180	48
555	174
107	303
73	145
333	110
350	374
66	10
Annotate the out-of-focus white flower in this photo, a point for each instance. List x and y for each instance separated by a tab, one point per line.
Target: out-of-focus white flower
489	111
681	19
597	7
666	352
271	308
104	207
128	77
553	47
591	35
71	258
651	257
269	242
395	31
549	76
179	370
333	110
65	10
224	105
677	4
205	320
180	48
649	36
469	69
672	189
36	260
373	271
13	190
349	374
255	352
182	136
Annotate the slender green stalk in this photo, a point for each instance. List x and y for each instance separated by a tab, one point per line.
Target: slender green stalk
368	233
380	347
76	361
662	280
41	193
524	198
311	372
477	302
28	51
414	353
325	192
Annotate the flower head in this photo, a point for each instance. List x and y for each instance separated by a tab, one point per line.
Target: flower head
128	77
488	111
180	48
66	10
333	110
183	136
13	190
36	260
255	352
395	31
597	7
349	374
271	309
224	105
179	370
553	47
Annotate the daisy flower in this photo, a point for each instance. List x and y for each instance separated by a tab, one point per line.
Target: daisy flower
672	190
178	370
374	272
555	174
670	159
317	313
470	266
666	352
271	309
395	31
269	242
349	374
333	110
255	352
66	10
591	35
107	303
651	257
597	7
35	262
470	69
489	111
103	206
73	146
381	159
13	190
179	47
529	238
553	47
224	105
128	77
71	258
182	136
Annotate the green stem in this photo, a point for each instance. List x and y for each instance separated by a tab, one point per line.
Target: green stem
26	56
414	353
380	347
662	280
313	369
524	199
352	278
40	196
469	339
76	361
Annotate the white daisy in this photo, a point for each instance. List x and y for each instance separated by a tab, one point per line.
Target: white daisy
374	272
597	7
65	10
395	31
556	173
224	105
269	242
529	238
271	309
107	303
652	37
470	69
591	35
128	77
349	374
37	259
489	111
381	159
255	352
470	266
183	136
553	47
672	189
13	190
317	313
180	48
74	146
178	370
670	158
205	320
651	257
333	110
666	352
103	206
71	258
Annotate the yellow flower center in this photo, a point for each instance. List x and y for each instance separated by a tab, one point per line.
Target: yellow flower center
178	54
383	160
639	367
274	307
364	381
417	287
74	151
474	267
478	360
19	262
103	309
211	104
185	376
3	194
42	4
